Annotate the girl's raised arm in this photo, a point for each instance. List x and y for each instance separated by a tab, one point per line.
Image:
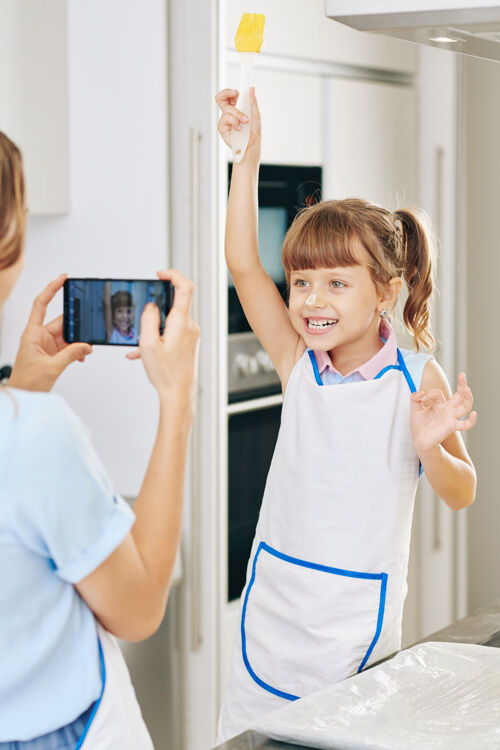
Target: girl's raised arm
262	303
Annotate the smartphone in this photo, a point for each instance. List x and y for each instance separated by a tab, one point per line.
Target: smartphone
108	311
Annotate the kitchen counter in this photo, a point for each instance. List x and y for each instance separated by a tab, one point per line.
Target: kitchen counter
482	627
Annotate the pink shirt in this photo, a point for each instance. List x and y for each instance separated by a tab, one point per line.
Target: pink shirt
383	358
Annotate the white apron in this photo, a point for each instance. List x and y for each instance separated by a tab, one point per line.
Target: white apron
117	720
326	580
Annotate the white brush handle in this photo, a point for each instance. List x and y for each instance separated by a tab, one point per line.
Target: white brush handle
239	138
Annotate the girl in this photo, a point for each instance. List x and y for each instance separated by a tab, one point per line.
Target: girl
76	563
326	579
122	313
119	312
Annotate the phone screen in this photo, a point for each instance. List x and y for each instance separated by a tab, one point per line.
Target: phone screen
108	311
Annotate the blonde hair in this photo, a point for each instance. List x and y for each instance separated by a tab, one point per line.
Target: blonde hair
398	244
122	298
12	203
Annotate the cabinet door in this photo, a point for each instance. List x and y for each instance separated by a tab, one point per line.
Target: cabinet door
290	107
34	98
370	142
301	30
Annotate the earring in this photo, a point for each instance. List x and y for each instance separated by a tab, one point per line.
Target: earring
384	313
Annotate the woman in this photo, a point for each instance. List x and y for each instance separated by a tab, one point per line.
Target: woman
76	564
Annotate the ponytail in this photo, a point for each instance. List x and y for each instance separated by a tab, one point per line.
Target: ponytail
417	273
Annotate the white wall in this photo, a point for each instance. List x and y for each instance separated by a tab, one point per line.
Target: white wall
117	225
482	126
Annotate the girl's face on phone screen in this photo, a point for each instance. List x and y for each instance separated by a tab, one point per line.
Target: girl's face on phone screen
123	318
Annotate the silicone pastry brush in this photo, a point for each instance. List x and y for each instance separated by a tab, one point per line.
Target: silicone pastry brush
248	41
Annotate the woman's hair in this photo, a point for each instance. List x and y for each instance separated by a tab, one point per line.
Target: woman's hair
398	244
12	202
121	299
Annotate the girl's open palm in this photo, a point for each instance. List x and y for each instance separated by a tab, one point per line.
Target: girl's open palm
433	418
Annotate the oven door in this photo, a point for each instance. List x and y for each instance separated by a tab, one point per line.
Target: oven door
253	430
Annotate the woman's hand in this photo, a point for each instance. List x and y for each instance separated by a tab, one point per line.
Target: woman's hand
170	360
433	418
232	118
43	354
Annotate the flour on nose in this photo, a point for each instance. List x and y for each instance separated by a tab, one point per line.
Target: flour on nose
311	300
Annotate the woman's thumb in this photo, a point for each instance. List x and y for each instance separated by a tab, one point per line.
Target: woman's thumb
150	326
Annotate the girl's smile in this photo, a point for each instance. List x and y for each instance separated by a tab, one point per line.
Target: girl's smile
319	326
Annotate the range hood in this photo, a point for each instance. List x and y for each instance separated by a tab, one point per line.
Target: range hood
471	27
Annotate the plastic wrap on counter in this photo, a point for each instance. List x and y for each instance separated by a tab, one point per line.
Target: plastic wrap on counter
434	696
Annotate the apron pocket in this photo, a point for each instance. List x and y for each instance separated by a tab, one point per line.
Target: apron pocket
304	626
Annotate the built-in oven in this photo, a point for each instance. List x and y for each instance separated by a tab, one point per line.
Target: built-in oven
283	191
254	391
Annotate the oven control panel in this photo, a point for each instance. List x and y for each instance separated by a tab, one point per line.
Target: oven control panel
249	366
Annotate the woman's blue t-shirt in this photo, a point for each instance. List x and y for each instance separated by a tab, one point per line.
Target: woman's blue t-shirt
59	520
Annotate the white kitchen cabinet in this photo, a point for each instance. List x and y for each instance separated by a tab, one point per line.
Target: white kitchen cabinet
299	28
34	97
290	106
370	142
480	274
442	562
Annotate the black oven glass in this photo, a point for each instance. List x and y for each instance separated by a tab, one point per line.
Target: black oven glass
252	437
283	191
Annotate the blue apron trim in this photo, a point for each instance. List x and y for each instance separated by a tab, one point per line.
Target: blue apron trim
411	385
382	577
279	693
380	619
400	366
404	370
382	372
316	566
98	701
315	367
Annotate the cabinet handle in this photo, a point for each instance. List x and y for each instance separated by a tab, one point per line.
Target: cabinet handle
266	402
196	628
440	155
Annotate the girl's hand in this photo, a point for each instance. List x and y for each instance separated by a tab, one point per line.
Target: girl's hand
43	354
232	117
170	360
433	418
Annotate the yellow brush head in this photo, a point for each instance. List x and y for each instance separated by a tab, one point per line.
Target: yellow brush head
250	34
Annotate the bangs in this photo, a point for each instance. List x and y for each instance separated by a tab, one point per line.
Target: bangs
320	238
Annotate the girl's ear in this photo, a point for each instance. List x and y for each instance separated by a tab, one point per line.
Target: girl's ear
391	294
